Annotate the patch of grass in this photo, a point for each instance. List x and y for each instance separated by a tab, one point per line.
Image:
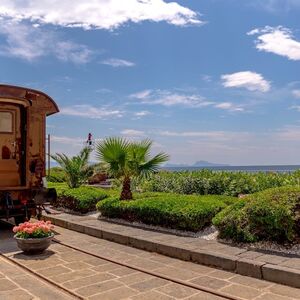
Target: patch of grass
82	199
185	212
273	214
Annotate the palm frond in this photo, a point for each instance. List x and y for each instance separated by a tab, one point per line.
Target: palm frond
113	151
77	168
153	164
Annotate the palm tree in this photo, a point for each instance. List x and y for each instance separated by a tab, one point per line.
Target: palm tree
128	159
77	168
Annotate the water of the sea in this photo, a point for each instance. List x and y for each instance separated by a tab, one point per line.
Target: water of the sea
274	168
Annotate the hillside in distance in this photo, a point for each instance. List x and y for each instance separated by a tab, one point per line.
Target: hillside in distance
200	163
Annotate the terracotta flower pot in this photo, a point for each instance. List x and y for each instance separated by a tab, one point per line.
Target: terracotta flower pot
34	246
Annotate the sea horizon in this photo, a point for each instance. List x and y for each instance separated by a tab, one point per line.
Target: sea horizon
232	168
245	168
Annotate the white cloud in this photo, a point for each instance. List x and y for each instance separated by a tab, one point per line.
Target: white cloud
91	112
67	140
116	62
296	93
278	40
229	106
250	80
214	135
132	133
168	98
275	6
70	51
30	43
98	14
142	113
142	95
206	78
295	107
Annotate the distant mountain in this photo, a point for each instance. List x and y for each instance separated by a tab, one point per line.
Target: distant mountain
200	163
203	163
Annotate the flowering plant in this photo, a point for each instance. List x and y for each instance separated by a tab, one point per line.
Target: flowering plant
35	230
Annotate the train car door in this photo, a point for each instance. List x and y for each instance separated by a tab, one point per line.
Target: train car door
11	152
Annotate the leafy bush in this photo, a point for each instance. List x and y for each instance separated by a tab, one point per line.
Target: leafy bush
82	199
76	168
57	174
185	212
273	214
205	182
128	159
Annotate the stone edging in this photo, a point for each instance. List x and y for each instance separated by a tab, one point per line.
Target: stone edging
242	266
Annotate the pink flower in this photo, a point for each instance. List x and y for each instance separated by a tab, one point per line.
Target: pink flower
31	228
16	229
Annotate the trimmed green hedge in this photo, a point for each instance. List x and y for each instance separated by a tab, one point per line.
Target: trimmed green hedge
207	182
183	212
273	214
82	199
57	174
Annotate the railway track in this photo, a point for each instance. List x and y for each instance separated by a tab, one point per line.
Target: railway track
41	277
74	295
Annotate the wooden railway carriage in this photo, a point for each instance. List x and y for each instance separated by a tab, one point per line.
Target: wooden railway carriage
23	115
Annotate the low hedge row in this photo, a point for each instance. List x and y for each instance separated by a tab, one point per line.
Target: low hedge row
185	212
57	174
273	214
82	199
207	182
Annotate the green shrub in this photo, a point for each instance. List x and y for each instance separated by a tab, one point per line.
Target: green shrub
185	212
57	174
273	214
82	199
205	182
77	168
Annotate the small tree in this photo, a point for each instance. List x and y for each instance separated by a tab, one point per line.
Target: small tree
77	168
128	159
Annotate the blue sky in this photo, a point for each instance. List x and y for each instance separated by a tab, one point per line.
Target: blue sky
215	80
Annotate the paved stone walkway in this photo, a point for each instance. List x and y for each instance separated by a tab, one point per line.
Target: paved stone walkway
95	278
17	284
262	265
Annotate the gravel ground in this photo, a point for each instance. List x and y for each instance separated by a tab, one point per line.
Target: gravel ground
209	233
273	247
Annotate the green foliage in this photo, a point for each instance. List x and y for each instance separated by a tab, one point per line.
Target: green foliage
38	234
82	199
125	158
57	174
76	168
128	159
273	214
100	167
185	212
204	182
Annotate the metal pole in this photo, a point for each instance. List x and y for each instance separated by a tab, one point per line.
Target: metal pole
49	155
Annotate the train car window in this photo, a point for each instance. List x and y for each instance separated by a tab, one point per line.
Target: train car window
6	122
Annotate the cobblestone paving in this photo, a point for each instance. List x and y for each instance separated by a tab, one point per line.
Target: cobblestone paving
95	278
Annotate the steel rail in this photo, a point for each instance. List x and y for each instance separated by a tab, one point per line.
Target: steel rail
152	273
42	278
139	269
